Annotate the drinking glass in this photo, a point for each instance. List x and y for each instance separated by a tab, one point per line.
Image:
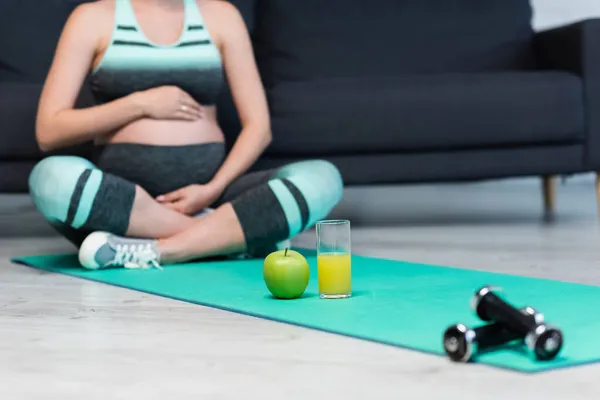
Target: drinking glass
334	259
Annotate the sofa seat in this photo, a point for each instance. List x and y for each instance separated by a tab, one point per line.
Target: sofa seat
427	112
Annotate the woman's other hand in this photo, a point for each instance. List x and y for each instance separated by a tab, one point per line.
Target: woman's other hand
169	102
191	199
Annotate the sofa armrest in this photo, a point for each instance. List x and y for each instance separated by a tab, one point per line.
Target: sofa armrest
576	48
18	106
18	112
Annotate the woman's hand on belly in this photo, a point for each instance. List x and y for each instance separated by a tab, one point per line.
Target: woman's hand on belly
169	102
192	199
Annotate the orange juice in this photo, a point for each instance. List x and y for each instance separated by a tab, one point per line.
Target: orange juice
334	274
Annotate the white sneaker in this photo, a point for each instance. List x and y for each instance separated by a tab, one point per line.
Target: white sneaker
104	250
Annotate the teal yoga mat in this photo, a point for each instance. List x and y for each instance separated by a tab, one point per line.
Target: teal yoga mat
397	303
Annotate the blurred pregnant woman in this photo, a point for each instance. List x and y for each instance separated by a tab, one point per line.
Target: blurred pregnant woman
156	69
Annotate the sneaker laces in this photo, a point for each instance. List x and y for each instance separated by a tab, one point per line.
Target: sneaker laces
135	256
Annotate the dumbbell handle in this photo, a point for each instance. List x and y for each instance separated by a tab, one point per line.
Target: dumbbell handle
462	343
494	335
490	307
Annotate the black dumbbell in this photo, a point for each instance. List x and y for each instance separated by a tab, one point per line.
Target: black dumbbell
461	343
544	341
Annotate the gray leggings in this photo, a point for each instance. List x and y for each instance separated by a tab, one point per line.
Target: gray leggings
78	197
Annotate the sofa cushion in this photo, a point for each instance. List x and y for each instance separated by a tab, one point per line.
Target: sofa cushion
18	108
248	10
33	28
314	39
426	113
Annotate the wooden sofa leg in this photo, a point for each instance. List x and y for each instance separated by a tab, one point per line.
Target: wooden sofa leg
598	191
549	193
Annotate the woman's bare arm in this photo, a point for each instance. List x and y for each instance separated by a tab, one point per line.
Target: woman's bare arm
58	123
248	95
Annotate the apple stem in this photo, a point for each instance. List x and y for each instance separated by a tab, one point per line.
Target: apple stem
285	254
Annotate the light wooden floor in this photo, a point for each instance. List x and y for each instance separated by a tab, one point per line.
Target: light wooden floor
64	338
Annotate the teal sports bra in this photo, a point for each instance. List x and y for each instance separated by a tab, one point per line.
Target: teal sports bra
133	63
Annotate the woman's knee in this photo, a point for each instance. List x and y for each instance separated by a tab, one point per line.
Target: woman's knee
317	186
294	198
54	181
72	191
320	183
329	177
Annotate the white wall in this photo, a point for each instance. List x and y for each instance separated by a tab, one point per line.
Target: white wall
550	13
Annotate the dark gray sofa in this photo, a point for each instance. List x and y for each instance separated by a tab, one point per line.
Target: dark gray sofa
391	91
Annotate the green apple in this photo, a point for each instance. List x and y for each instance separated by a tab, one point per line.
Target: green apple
286	273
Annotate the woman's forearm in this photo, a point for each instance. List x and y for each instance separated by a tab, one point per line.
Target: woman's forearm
251	143
75	126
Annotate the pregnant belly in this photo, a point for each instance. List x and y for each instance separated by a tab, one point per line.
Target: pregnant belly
170	132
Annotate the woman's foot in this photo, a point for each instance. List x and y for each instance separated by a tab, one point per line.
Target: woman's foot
105	250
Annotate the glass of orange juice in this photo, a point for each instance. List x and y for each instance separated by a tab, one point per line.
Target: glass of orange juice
334	259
